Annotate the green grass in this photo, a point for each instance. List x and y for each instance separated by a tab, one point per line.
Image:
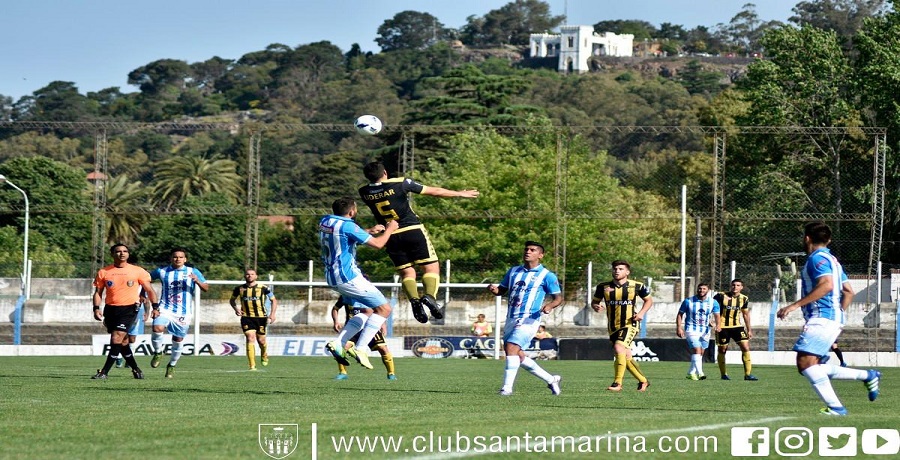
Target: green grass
212	408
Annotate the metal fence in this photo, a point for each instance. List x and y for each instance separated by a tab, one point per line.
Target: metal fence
748	190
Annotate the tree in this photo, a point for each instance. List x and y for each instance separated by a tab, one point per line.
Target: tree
124	203
410	30
745	30
878	70
47	261
805	81
58	101
521	186
642	30
207	74
59	200
158	76
698	80
180	177
844	17
511	24
466	95
209	238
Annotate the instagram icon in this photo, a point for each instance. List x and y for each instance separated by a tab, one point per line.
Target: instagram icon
793	441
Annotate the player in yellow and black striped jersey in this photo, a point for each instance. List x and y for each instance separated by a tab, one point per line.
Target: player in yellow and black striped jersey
254	315
734	306
409	246
377	343
619	297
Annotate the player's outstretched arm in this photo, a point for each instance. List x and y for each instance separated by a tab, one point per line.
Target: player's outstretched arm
446	193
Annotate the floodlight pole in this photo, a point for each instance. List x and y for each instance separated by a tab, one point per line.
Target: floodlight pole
4	179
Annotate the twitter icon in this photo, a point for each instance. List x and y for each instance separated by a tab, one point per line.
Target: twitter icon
837	441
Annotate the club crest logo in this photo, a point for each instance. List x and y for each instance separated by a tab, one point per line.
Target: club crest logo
278	440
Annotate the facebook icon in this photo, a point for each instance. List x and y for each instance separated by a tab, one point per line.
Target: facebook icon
750	441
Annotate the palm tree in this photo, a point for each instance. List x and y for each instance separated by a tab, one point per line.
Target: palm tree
124	201
182	176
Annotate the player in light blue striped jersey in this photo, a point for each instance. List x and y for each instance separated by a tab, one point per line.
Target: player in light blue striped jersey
697	311
826	295
176	306
338	237
526	286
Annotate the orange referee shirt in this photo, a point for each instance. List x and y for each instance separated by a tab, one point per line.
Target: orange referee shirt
122	284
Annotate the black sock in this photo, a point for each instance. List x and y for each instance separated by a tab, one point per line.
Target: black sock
129	357
839	354
114	350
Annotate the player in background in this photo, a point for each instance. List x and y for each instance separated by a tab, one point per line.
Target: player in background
619	297
177	282
696	311
410	246
338	237
825	297
137	327
526	286
254	316
120	282
734	305
378	342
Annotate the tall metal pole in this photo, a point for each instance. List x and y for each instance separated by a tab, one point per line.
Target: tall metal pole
3	179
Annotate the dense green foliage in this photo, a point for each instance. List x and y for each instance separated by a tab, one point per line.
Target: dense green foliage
834	70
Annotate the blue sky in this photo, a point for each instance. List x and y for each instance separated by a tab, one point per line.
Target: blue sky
96	43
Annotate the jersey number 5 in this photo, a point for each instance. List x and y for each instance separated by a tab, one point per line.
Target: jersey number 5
384	208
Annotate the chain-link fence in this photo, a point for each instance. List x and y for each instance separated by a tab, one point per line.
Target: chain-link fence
249	194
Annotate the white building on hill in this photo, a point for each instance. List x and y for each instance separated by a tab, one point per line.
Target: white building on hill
575	44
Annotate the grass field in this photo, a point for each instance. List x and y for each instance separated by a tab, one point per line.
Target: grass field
213	408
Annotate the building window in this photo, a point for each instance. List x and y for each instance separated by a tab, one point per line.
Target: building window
571	42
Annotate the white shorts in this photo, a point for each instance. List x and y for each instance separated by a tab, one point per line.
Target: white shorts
137	327
697	339
360	290
520	331
175	325
817	336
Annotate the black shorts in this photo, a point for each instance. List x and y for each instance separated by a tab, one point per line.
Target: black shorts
738	334
411	247
254	323
119	318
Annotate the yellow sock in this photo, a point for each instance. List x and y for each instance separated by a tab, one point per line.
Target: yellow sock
251	354
264	350
745	356
342	369
431	281
721	360
388	361
619	368
410	287
635	370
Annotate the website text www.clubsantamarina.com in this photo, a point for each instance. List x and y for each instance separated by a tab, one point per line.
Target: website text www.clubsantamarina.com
460	443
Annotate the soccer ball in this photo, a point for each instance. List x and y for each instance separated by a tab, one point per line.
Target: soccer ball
368	124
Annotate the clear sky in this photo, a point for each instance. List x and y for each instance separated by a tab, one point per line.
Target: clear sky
96	43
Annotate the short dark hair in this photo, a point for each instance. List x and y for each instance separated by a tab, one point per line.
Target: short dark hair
178	249
737	280
620	262
374	171
818	232
112	249
534	243
703	284
342	206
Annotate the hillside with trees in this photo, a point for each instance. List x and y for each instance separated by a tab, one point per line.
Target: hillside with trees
833	64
